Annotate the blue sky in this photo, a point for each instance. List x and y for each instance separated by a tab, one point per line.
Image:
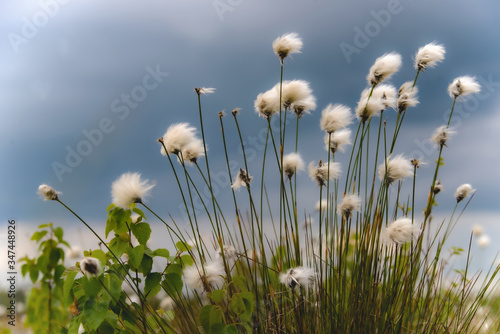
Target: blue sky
69	67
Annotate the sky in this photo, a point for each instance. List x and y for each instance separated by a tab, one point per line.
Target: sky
86	88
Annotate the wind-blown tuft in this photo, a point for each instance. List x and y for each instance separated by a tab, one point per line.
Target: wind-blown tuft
177	137
287	44
338	140
291	163
383	68
303	106
349	204
229	253
398	168
407	96
129	189
399	232
301	276
441	135
48	193
192	151
294	91
242	179
335	117
268	103
369	106
91	266
429	56
204	279
463	86
386	94
462	192
438	187
320	173
204	90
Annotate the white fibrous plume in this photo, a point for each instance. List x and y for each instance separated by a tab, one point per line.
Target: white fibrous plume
429	56
337	140
441	135
301	276
267	103
291	163
242	179
47	193
304	106
294	91
321	173
399	232
192	151
335	117
91	266
177	137
383	68
206	278
129	189
438	187
287	44
462	192
229	253
386	94
407	96
369	106
463	86
349	204
394	169
204	90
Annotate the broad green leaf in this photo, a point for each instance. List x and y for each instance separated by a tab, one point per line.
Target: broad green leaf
111	206
162	252
139	212
33	273
135	256
211	319
92	286
100	255
38	235
240	282
94	314
174	268
217	295
58	232
119	244
142	232
146	264
186	260
59	271
152	285
172	284
67	288
182	246
55	255
44	225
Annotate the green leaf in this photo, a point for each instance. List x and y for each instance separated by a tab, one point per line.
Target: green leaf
172	284
182	246
92	286
58	232
211	319
44	225
135	256
186	260
240	282
162	252
117	221
231	329
119	244
67	288
174	268
38	235
146	264
59	271
55	255
74	325
142	232
24	269
33	273
217	295
139	212
94	314
115	285
100	255
152	285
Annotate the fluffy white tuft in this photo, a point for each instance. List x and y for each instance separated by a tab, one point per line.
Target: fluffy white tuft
387	94
204	279
441	135
301	276
338	140
429	56
177	137
242	179
463	86
193	150
291	163
128	189
383	68
349	204
335	117
407	96
399	232
287	44
462	192
321	173
205	90
398	168
91	266
293	91
47	193
268	103
369	106
303	106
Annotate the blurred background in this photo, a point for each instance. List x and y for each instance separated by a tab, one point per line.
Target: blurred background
86	88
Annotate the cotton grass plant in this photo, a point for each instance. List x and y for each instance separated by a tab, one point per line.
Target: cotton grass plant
368	261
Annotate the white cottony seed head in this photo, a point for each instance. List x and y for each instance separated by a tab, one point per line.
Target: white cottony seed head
429	56
128	189
383	68
397	168
177	137
399	232
462	192
47	193
301	276
91	266
335	117
291	163
287	44
463	86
